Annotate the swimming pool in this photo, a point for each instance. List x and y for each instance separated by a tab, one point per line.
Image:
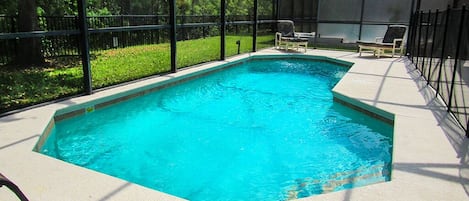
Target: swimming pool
263	130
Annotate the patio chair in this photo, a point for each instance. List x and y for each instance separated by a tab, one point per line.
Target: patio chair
6	182
393	40
286	36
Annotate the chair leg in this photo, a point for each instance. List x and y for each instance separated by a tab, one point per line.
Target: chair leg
360	51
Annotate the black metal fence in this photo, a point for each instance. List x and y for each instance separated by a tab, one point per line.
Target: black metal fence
439	48
65	43
25	83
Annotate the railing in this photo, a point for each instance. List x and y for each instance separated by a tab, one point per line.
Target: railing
439	48
114	31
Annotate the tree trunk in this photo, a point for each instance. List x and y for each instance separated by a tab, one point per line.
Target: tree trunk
29	49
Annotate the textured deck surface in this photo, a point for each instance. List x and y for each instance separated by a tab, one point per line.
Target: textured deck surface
430	159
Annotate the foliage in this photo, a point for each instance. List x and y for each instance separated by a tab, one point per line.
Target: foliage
26	87
8	7
141	7
20	88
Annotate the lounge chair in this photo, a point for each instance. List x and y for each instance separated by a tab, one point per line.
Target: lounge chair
393	40
6	182
286	36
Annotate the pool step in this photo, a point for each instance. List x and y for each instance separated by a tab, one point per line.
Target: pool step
338	181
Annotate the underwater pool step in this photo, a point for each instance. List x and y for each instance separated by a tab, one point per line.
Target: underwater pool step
339	181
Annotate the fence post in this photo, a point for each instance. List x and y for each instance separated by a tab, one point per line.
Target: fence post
467	129
222	29
15	44
456	58
442	56
157	21
435	25
172	34
426	42
203	28
85	46
13	23
236	25
183	21
254	28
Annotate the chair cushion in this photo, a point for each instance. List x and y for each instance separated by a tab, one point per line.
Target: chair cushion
293	39
375	45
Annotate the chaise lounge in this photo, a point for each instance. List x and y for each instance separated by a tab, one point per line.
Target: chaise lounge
392	41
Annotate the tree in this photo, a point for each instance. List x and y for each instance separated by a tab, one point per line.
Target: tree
29	49
8	7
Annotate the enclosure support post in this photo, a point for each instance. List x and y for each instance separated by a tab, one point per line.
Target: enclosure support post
419	3
415	25
222	29
277	14
172	34
275	9
435	25
442	56
426	42
361	20
85	46
410	38
456	57
419	38
274	14
254	28
292	10
412	11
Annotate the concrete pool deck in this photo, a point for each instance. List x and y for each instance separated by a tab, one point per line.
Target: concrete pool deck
430	159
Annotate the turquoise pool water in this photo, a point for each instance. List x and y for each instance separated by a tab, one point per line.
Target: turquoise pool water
262	130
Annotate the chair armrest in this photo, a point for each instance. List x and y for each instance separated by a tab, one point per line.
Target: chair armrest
379	39
305	35
278	34
398	40
278	37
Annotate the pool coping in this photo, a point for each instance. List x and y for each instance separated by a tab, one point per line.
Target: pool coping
44	178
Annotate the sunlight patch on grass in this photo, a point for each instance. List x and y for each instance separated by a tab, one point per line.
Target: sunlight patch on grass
109	67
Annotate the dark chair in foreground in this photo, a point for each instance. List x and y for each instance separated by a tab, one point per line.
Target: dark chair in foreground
393	41
286	36
6	182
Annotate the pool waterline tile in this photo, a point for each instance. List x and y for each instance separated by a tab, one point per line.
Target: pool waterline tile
80	109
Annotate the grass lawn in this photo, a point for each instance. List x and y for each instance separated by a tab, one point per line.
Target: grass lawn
20	88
